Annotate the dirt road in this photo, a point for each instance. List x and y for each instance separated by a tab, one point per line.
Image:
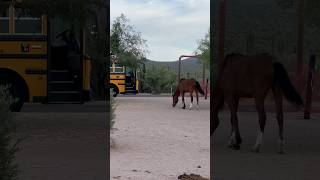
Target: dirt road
154	141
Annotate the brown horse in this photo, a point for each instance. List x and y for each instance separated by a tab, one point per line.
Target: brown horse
186	85
252	77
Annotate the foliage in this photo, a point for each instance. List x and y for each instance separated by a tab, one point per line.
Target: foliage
113	107
127	44
204	50
265	27
8	144
159	79
311	8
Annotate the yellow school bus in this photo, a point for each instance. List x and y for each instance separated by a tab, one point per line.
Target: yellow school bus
41	61
124	80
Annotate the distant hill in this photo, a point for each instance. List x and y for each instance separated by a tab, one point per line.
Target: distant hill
190	67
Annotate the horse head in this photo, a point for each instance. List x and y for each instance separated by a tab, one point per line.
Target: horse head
175	100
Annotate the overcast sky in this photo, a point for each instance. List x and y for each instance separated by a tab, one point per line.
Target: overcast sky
171	27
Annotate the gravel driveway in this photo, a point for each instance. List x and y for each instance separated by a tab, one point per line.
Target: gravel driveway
155	141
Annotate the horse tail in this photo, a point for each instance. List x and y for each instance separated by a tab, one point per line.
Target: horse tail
281	79
198	87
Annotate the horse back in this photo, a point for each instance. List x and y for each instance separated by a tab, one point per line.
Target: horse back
247	75
187	85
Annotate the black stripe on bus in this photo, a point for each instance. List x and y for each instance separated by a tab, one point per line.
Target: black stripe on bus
117	79
23	56
23	38
36	71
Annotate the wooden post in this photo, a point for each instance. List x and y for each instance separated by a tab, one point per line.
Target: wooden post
307	110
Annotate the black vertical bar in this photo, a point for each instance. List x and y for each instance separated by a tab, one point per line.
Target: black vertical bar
49	58
307	110
212	50
81	64
108	105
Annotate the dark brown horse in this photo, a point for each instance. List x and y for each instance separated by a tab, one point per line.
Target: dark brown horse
186	85
252	77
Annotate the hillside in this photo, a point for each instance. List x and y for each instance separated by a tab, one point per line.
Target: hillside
190	67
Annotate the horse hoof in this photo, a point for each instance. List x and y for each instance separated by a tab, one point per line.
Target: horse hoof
256	149
282	151
235	147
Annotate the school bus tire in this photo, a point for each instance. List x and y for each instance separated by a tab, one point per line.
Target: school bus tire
114	90
17	89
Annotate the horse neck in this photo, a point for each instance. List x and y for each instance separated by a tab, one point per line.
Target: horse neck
177	92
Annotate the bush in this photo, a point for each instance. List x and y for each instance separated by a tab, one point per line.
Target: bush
112	110
159	80
8	142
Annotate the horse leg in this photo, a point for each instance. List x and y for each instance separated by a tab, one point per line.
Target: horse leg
278	101
214	119
197	96
235	138
262	121
183	103
191	97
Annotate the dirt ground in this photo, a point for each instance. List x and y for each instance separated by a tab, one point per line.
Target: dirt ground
302	145
155	141
62	142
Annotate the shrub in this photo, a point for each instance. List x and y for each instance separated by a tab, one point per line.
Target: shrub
112	110
159	80
8	142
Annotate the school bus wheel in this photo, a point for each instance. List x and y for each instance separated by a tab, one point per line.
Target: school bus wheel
114	89
17	89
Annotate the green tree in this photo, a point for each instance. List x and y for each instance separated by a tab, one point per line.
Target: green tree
127	44
203	50
159	79
311	10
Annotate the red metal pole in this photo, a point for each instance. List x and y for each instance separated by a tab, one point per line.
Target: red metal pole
206	91
179	64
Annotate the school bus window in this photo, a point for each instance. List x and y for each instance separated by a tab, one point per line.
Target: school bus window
4	22
25	24
119	69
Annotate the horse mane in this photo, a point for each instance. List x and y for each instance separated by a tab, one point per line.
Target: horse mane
232	55
181	80
228	57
